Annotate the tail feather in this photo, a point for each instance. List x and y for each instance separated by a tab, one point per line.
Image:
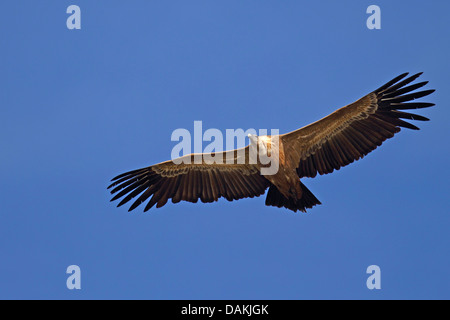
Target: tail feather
275	198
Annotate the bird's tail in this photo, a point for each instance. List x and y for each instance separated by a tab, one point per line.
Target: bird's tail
276	199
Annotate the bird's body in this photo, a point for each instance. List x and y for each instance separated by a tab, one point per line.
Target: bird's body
344	136
286	179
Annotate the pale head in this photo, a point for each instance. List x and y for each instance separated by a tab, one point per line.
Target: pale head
260	142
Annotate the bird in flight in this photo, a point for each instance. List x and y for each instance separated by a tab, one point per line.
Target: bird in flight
346	135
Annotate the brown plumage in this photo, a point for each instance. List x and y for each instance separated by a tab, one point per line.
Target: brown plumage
344	136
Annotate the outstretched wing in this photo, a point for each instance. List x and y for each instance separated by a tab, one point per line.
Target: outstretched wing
353	131
232	180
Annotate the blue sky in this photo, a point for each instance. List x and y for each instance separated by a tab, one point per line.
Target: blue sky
81	106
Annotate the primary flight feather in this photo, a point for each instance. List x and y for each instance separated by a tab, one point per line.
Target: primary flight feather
346	135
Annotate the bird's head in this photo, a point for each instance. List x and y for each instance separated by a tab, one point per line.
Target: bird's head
253	138
259	142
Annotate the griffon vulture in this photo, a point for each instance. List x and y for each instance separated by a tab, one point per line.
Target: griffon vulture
344	136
